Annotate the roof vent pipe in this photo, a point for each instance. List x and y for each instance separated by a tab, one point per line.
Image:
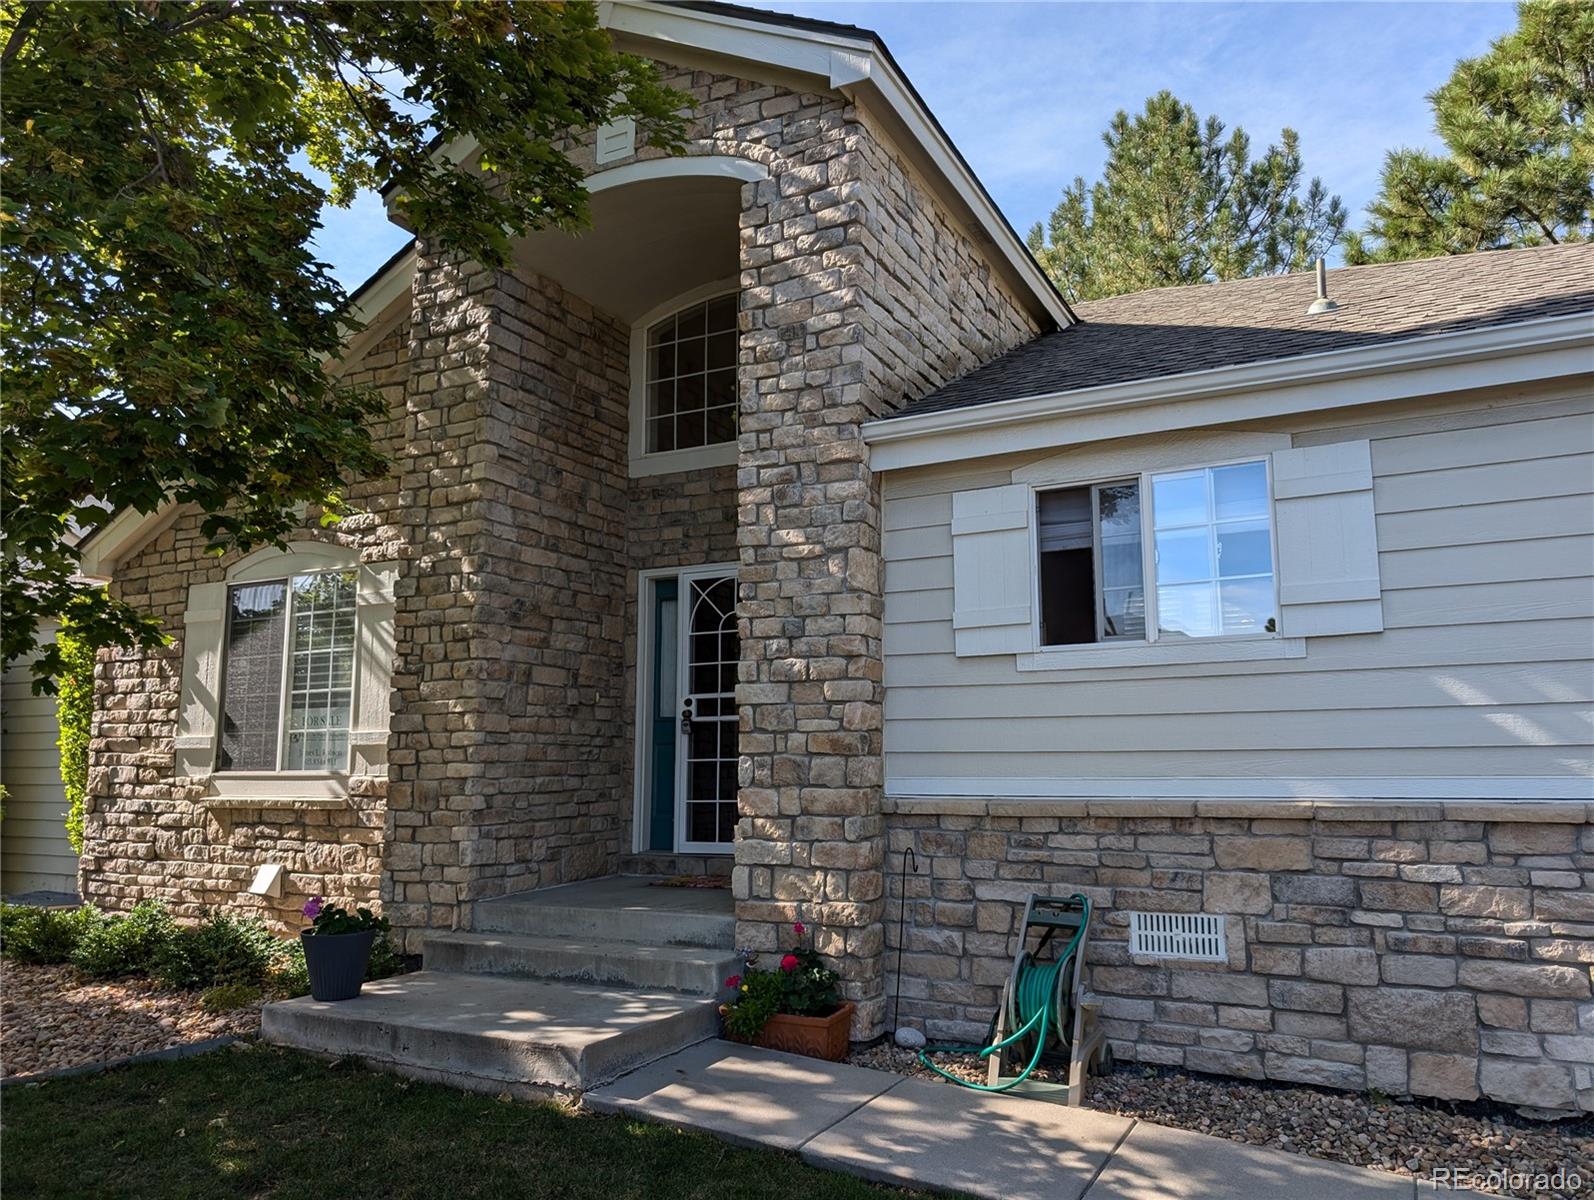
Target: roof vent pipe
1322	304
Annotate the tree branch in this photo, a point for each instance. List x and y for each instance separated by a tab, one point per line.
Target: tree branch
32	14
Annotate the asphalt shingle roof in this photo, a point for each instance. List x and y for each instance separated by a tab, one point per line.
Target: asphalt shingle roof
1172	331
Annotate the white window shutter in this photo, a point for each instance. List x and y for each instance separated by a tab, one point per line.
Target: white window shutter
992	571
204	631
373	669
1327	540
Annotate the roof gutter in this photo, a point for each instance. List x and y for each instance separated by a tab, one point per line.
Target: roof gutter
1203	397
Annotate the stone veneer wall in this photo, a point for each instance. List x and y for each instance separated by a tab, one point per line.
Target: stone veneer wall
1398	947
147	835
506	755
857	290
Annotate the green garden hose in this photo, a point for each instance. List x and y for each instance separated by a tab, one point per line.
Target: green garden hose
1035	994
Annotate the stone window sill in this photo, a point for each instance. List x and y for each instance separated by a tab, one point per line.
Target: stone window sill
276	803
302	790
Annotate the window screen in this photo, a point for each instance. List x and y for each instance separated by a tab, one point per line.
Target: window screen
252	676
1091	585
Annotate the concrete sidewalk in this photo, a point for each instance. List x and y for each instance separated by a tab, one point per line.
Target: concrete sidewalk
915	1133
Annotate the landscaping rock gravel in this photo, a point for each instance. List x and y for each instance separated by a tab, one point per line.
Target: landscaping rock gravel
50	1018
1408	1138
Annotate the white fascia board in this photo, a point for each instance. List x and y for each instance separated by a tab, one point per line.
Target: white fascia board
844	64
127	531
387	287
376	296
1548	348
895	91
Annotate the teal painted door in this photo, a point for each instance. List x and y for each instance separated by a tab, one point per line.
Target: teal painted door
664	712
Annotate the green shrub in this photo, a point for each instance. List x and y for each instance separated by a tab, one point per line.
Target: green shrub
288	972
221	949
44	935
125	945
385	959
226	997
74	707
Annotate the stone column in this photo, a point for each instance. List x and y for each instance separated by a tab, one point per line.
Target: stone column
810	842
507	748
436	722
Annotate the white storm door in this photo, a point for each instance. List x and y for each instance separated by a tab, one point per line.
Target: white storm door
706	766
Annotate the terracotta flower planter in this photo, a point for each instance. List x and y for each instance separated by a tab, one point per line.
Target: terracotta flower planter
816	1037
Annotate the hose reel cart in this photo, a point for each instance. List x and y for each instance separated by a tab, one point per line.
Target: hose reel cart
1044	1017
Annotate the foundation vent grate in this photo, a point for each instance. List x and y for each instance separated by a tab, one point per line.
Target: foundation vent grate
1196	936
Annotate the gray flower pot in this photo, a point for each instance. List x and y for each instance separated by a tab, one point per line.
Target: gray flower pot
336	962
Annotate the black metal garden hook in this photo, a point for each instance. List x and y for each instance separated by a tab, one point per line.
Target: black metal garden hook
902	912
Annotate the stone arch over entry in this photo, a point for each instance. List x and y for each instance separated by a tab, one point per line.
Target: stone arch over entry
708	166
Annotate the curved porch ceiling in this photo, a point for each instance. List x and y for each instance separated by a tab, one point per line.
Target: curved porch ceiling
658	230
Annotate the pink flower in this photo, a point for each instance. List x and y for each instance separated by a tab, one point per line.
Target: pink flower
799	929
789	963
312	907
734	981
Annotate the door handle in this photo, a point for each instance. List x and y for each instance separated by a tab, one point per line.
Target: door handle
686	716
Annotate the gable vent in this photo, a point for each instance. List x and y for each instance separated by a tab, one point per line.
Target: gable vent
616	139
1196	936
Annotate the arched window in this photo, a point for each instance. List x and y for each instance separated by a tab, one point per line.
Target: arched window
690	390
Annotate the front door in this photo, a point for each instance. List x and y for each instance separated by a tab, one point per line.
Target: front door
690	716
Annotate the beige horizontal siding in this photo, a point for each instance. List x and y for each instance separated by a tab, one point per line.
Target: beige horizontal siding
34	852
1486	553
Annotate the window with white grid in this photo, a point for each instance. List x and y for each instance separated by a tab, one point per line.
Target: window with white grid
288	674
691	377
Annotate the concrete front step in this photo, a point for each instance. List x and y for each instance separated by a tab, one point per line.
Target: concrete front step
615	909
695	970
488	1033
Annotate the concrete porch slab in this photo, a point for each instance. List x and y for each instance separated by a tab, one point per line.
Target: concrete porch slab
483	1032
743	1094
694	970
619	908
634	892
1156	1162
924	1134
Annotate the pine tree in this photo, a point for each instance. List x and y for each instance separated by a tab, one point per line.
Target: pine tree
1181	201
1519	163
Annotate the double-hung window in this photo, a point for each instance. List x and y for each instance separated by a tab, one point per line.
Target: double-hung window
1162	557
288	674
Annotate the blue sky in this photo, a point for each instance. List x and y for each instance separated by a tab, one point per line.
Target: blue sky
1025	89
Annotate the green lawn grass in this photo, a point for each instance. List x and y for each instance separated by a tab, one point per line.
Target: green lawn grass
254	1121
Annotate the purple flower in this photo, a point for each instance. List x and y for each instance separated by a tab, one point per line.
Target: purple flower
312	907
